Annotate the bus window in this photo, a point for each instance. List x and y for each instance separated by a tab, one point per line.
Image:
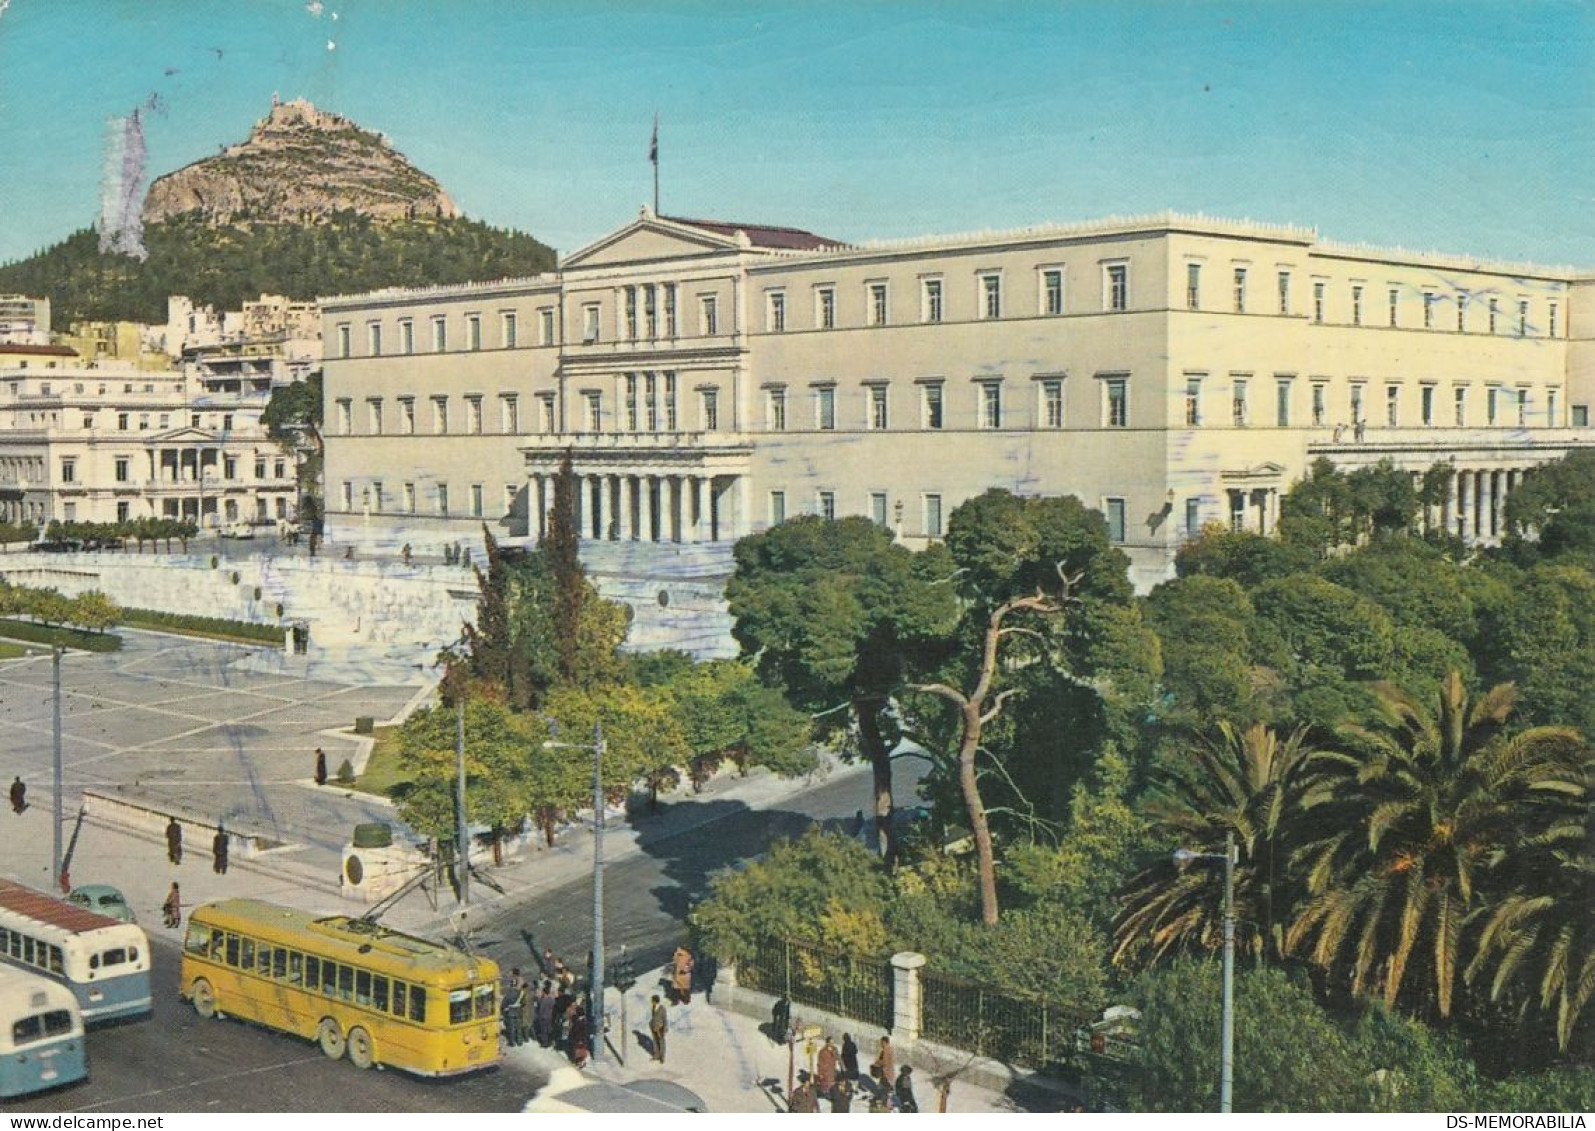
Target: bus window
56	1022
484	1001
132	954
263	960
198	941
329	977
232	950
16	945
94	962
279	963
216	943
27	951
362	987
459	1006
27	1030
113	957
417	1003
57	962
296	969
346	982
312	972
248	962
379	993
401	995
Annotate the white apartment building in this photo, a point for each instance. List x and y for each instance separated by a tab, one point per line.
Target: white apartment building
713	378
108	443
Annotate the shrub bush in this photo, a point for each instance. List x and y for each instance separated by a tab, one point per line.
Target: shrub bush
66	637
346	772
187	624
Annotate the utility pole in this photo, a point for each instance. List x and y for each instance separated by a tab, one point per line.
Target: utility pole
462	831
596	1021
55	758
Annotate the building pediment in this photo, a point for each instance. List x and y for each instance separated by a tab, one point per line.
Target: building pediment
1267	471
648	239
184	436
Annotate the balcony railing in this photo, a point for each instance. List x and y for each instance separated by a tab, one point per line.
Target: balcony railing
637	441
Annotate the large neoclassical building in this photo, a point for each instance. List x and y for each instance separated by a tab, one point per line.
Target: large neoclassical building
713	378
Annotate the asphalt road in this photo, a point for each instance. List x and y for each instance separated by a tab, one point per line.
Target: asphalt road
175	1061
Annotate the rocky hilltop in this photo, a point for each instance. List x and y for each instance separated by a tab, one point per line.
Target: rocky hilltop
299	166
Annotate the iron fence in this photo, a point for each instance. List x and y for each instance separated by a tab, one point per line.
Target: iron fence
1011	1028
843	984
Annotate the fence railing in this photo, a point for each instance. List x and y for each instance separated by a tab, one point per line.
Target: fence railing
1011	1028
844	984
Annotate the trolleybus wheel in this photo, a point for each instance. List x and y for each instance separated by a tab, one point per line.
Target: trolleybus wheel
360	1054
330	1037
204	999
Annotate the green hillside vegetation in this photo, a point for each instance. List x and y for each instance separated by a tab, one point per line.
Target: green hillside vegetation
226	266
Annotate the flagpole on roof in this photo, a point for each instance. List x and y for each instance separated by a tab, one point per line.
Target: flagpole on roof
653	156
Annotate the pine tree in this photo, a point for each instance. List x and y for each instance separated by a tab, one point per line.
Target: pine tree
569	583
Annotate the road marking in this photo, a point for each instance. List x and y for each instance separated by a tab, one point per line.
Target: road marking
123	1100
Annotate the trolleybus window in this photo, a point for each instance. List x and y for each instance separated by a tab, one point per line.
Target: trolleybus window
41	1025
459	1006
484	1001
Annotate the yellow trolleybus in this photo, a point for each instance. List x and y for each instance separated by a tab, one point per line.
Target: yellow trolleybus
354	987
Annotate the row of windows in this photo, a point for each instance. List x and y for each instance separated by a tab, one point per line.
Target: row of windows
1502	406
32	952
374	498
229	469
47	388
988	404
508	334
337	980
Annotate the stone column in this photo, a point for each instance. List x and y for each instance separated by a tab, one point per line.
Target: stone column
1478	503
623	504
906	1001
1459	502
579	506
695	502
672	508
600	511
545	505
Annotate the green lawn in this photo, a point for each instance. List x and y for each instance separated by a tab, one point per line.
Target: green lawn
10	651
382	768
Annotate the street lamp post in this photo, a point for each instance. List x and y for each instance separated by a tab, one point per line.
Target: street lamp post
462	830
595	1019
1226	1038
55	760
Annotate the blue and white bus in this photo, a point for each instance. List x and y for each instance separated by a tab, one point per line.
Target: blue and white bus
41	1035
104	962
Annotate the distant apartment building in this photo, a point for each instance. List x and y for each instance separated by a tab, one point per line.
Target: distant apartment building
24	320
712	379
107	442
268	342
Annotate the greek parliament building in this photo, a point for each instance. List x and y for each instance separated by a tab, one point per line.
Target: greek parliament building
712	379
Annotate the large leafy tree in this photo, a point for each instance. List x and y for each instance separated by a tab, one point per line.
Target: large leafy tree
1408	813
293	418
1555	507
1246	783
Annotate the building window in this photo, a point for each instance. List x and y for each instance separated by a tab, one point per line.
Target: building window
409	498
1193	517
123	470
1116	286
930	300
710	410
230	467
708	321
545	326
1522	408
1550	409
1193	401
630	398
1550	321
1428	310
991	295
1115	517
260	469
933	526
1052	291
376	494
590	322
877	304
1462	313
374	339
775	400
1318	395
374	411
650	399
440	334
825	308
1238	400
476	500
473	332
1318	302
670	402
443	499
1116	391
406	336
592	411
121	421
440	415
407	415
650	311
670	309
545	413
826	507
1522	318
930	403
775	311
1052	403
507	328
343	343
348	495
1492	396
345	416
1240	290
1284	292
825	408
1282	402
1356	304
1460	398
1395	307
877	407
69	471
509	414
1580	416
1392	406
991	404
1426	405
124	511
777	507
1193	286
1495	310
877	507
1356	403
278	469
629	326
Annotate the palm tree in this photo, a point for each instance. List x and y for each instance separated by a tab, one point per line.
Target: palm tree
1245	782
1541	935
1410	812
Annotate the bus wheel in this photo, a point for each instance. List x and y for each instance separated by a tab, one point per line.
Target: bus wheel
360	1049
204	999
331	1038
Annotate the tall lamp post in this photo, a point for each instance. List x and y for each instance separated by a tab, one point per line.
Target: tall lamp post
595	1019
1226	1047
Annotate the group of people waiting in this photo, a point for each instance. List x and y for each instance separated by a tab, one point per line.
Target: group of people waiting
836	1077
550	1013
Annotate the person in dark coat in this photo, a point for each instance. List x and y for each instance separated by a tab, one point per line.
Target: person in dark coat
578	1038
172	909
842	1096
514	1008
905	1090
781	1019
543	1016
658	1024
803	1100
218	848
174	841
849	1057
19	794
321	766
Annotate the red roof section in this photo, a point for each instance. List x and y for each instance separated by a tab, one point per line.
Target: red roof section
37	351
44	908
763	235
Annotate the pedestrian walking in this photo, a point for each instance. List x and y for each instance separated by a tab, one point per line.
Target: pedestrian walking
849	1057
174	841
19	795
543	1016
781	1019
802	1099
218	851
905	1091
681	975
825	1068
882	1070
658	1024
321	766
514	1005
842	1096
172	909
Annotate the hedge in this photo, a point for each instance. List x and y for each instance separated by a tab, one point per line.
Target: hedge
217	628
36	633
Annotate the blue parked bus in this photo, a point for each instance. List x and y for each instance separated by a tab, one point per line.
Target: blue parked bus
104	962
41	1035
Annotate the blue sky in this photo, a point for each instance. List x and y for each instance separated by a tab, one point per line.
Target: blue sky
1463	126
